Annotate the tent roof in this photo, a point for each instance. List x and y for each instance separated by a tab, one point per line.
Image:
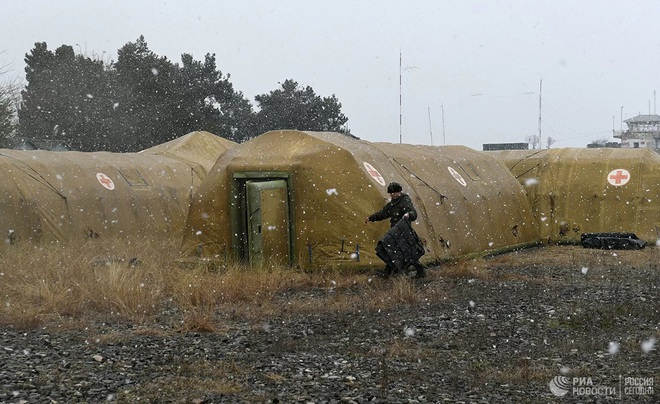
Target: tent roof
200	147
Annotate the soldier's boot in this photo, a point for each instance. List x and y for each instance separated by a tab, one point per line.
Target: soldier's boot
421	272
386	273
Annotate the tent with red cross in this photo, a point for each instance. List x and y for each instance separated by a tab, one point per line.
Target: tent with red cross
574	191
301	198
68	196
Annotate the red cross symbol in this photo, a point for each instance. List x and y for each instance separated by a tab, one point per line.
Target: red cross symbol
457	176
105	181
374	173
618	177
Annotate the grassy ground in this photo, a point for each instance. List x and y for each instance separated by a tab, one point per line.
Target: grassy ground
543	308
58	284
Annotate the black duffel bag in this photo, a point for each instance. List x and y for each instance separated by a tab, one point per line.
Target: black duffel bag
612	241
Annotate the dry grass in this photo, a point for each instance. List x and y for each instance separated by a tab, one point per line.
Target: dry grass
65	285
521	371
196	378
47	283
571	256
474	268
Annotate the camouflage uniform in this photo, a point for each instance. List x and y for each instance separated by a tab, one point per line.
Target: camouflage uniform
395	209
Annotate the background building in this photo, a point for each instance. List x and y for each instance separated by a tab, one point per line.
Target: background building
505	146
643	131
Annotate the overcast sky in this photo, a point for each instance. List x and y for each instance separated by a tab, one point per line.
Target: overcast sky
478	63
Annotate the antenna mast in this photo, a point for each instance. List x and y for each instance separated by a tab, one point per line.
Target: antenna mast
444	139
430	127
540	95
400	110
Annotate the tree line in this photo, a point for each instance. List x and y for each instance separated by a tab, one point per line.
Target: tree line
8	106
144	99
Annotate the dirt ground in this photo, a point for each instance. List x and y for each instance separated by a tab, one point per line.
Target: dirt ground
550	324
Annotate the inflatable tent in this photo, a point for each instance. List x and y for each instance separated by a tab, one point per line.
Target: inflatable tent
48	196
574	191
302	197
195	148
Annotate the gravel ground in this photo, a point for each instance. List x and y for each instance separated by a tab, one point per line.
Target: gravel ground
501	332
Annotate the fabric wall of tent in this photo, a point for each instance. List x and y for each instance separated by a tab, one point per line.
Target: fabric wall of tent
48	196
302	197
574	191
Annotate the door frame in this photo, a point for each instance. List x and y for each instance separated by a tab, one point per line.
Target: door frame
238	211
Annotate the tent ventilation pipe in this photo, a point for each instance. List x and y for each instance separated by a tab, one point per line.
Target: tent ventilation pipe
357	252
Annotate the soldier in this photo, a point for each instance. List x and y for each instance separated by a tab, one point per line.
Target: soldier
400	206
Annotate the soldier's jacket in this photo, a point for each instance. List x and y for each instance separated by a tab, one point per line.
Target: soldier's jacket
395	209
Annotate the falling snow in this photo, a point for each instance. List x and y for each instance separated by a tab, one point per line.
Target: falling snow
613	348
531	181
648	345
409	331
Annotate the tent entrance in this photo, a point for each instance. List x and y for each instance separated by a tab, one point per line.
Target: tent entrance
261	218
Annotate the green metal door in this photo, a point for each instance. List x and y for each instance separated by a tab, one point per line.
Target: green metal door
268	222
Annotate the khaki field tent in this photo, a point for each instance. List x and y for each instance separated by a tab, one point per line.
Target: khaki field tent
603	190
196	148
48	196
302	197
